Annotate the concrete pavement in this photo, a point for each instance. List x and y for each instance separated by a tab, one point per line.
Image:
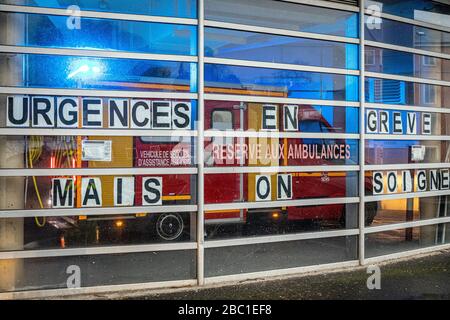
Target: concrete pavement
425	277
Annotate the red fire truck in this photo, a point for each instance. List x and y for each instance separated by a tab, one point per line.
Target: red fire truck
179	189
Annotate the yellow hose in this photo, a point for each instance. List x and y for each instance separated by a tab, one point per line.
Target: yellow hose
35	153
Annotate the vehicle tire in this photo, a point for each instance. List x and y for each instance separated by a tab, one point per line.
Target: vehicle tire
169	226
371	209
370	212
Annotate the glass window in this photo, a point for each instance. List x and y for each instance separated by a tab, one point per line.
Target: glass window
281	255
406	210
295	16
421	10
222	120
232	44
406	64
98	73
171	8
407	35
370	57
125	268
78	231
388	242
429	61
399	151
273	221
50	152
69	112
228	79
310	118
269	151
406	93
401	122
97	191
102	34
408	181
263	186
429	94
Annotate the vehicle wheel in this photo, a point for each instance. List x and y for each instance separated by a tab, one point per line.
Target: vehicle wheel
169	226
371	211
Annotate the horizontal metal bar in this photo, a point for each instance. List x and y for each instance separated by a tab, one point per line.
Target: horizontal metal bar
94	171
261	99
282	66
411	21
405	254
406	166
337	266
281	203
96	53
279	134
95	211
281	32
272	169
96	132
29	254
407	79
396	196
118	288
406	49
406	107
326	4
97	14
405	225
406	137
97	93
279	238
223	221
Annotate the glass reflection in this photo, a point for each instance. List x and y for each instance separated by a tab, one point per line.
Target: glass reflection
175	8
253	223
420	10
406	93
296	17
96	191
413	209
407	35
98	73
279	83
233	44
278	186
240	115
101	34
280	255
399	151
406	64
399	240
40	152
125	268
65	232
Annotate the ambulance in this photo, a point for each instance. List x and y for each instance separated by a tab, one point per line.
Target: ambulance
180	189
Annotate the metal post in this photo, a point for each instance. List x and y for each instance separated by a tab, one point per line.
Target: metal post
200	148
12	30
362	129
